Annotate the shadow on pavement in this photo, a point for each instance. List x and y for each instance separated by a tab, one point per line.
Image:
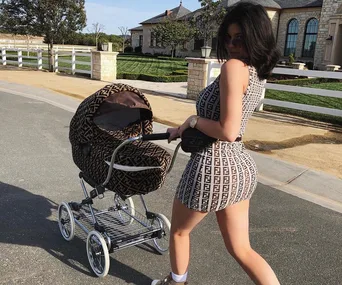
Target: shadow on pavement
284	118
268	146
28	219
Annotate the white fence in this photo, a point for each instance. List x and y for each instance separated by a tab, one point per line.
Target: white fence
38	57
74	62
214	71
21	60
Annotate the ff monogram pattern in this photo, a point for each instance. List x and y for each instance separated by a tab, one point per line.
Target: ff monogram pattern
224	173
93	146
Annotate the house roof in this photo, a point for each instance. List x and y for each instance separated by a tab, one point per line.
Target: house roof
299	3
264	3
140	28
229	3
175	13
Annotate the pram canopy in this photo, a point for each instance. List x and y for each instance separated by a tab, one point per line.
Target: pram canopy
101	123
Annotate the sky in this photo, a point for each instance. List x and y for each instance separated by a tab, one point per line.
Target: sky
128	13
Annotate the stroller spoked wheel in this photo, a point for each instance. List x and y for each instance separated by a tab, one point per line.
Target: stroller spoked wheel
126	209
66	221
98	255
162	244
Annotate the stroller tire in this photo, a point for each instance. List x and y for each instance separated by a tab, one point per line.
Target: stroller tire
98	255
162	244
66	221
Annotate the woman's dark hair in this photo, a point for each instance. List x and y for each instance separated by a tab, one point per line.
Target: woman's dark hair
257	33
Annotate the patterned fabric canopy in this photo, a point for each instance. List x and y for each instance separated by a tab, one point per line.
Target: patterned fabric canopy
101	123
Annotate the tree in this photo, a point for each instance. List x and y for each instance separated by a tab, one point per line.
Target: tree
53	19
206	21
172	33
124	32
97	29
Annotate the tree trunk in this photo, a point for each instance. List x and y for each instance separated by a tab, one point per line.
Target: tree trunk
123	45
51	57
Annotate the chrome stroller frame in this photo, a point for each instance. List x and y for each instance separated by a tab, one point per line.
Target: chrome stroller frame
118	226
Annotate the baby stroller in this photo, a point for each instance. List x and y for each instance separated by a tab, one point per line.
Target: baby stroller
110	135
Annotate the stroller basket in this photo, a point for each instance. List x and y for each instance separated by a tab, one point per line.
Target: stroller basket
101	123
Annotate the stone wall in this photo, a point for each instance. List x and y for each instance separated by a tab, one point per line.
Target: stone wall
104	65
197	76
302	15
329	8
274	17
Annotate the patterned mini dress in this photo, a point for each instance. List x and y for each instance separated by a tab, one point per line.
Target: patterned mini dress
224	173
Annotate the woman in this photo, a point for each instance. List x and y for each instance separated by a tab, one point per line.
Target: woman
223	177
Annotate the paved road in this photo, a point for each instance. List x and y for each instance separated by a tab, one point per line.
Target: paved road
301	240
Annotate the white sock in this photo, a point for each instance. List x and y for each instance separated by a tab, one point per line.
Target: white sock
179	278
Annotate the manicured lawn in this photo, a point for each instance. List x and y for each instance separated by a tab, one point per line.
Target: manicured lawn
320	101
149	65
134	64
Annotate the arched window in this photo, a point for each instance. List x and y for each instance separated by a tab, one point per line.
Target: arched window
291	37
310	38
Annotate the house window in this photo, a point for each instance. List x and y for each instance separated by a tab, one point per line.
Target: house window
310	38
198	44
291	37
141	40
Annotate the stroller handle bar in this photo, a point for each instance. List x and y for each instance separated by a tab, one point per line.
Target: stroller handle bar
155	137
152	137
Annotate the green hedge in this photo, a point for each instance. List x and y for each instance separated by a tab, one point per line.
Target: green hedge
180	72
303	81
153	78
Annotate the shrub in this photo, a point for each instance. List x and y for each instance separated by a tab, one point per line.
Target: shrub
303	81
291	58
128	49
138	49
153	78
180	72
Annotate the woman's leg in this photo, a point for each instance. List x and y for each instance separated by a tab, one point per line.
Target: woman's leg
234	225
183	222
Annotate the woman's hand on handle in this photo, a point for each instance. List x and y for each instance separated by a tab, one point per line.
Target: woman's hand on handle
174	134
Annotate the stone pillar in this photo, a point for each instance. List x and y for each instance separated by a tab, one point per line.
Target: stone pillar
197	76
104	65
329	8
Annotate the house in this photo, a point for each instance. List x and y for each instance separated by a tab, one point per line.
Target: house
311	30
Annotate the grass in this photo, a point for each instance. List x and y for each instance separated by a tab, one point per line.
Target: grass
314	100
149	65
133	64
45	61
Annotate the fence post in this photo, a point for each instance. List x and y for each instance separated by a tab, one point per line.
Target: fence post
56	61
73	61
91	66
20	58
3	54
40	59
260	107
